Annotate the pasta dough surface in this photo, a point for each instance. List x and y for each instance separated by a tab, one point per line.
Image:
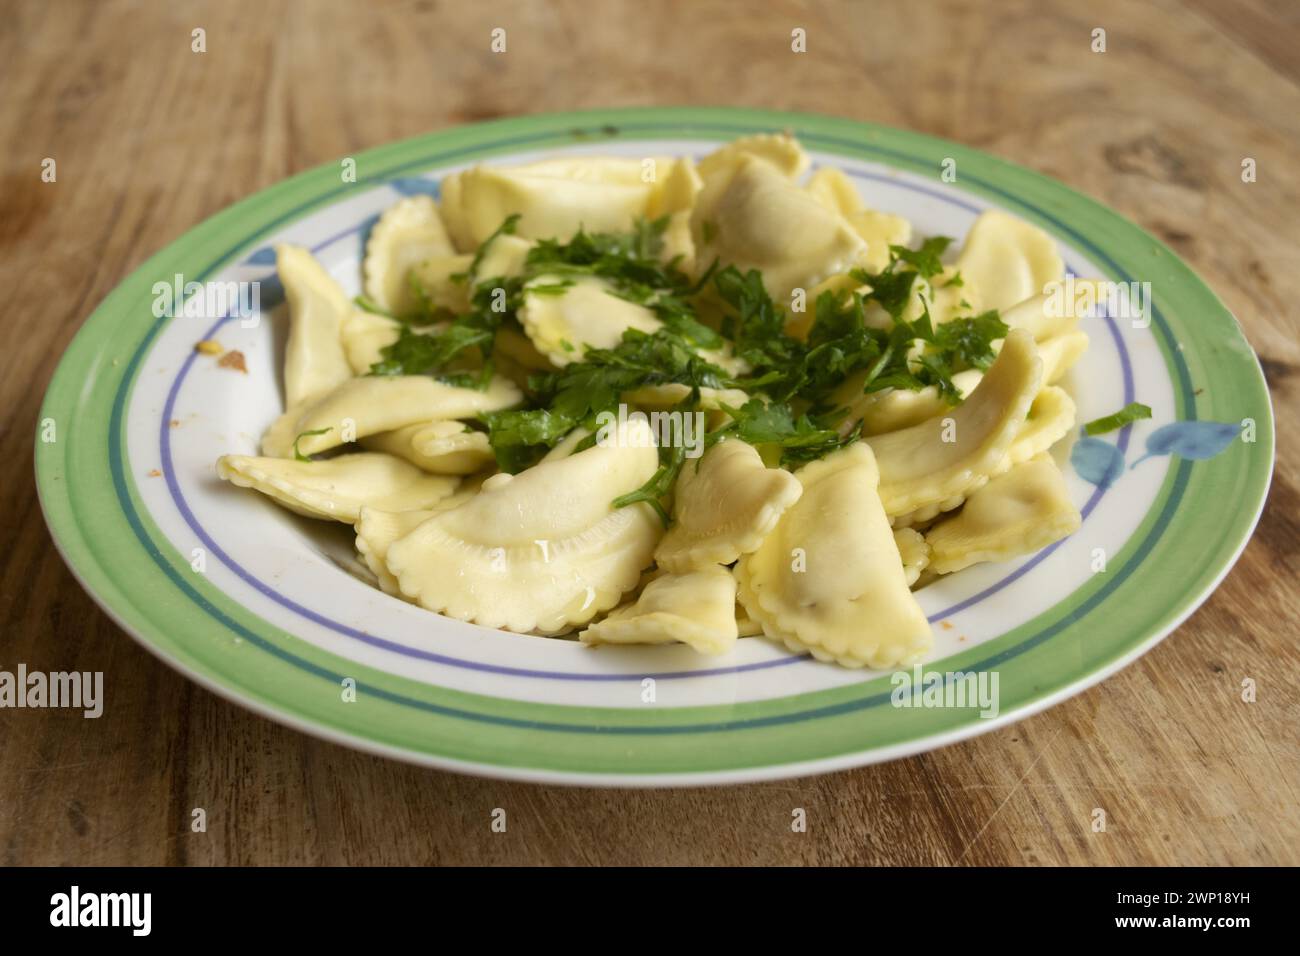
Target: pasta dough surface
829	579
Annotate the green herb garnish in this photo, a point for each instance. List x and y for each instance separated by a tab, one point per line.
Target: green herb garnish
1130	413
299	456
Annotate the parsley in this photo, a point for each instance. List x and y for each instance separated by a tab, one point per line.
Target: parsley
968	342
799	438
576	394
791	378
758	334
925	261
659	484
429	353
367	304
1130	413
550	288
299	456
840	344
892	287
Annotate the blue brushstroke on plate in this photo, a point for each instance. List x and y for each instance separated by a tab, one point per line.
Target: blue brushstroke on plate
1194	440
262	257
417	186
1097	461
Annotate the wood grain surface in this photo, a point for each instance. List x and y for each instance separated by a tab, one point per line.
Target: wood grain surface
151	138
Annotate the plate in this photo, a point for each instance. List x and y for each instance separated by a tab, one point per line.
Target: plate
265	609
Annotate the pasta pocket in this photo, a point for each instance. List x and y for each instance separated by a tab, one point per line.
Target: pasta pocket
1008	260
914	552
542	550
1016	513
1048	314
891	409
366	406
696	608
314	360
339	488
879	230
931	467
408	233
440	282
553	198
365	336
439	447
783	153
829	578
376	532
1051	416
563	319
1059	353
758	219
725	504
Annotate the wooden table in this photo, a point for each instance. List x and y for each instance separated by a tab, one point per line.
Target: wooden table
151	138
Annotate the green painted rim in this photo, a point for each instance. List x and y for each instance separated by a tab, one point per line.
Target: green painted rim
1184	546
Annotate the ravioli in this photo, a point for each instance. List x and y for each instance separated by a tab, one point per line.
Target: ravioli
338	488
437	280
408	233
1059	353
566	445
505	257
376	532
364	336
726	502
517	347
438	447
553	198
892	409
922	473
366	406
585	314
914	552
314	361
674	198
1051	416
758	219
1008	260
1049	314
1016	513
746	626
879	230
696	608
829	578
671	394
780	151
540	551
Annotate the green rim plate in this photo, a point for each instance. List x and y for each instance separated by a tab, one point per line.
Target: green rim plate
1187	541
